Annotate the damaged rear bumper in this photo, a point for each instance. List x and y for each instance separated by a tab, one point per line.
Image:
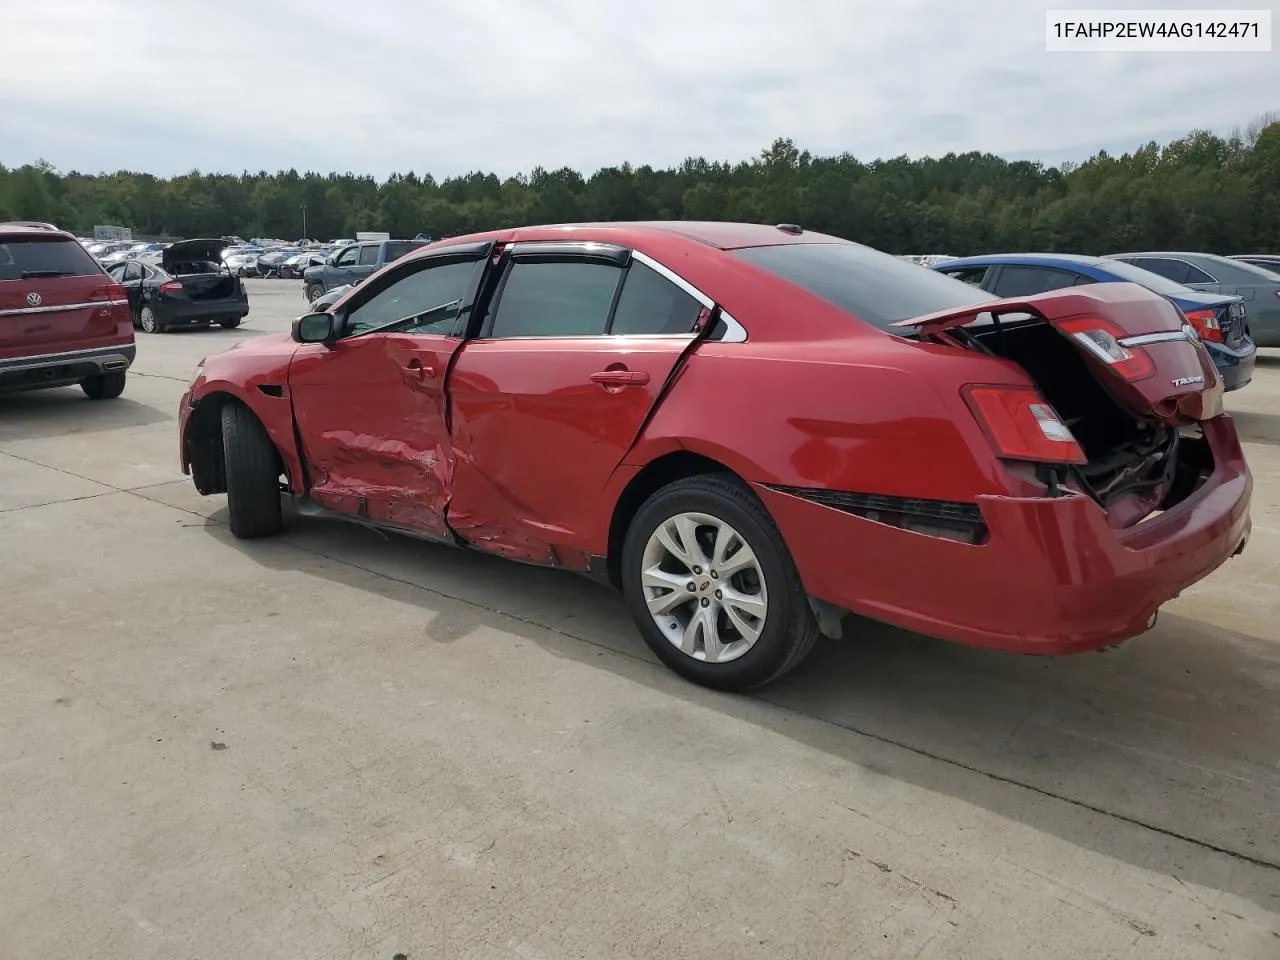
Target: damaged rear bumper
1052	577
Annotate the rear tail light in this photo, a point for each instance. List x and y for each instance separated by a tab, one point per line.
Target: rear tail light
1102	340
1021	425
171	286
1206	324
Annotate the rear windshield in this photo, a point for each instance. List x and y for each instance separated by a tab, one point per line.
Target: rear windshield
398	248
28	258
874	286
1152	281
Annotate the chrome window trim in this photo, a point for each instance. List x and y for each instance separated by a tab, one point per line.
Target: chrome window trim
734	332
65	306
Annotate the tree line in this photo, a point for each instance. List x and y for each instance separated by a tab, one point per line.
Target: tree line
1202	192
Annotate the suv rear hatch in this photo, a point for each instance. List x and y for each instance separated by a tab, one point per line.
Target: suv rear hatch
54	297
1127	381
198	266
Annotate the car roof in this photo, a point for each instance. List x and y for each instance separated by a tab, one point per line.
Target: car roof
1044	259
1181	254
724	236
31	228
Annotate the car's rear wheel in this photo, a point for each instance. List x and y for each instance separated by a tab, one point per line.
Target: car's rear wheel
229	323
253	474
712	586
149	322
105	386
313	292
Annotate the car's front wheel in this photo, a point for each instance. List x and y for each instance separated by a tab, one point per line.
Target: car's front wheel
253	474
313	292
712	586
229	323
105	386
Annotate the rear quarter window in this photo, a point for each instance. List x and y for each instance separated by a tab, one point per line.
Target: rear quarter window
29	258
873	286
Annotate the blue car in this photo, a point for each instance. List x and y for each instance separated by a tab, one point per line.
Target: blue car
1219	318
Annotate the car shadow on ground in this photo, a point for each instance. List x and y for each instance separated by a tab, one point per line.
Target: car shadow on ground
1256	427
1160	753
66	411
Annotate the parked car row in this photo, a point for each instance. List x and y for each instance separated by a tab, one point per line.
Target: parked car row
751	431
1232	303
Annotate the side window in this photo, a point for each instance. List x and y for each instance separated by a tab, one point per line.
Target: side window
116	272
970	275
132	271
1196	275
1081	280
650	303
555	299
368	256
1175	270
431	296
347	258
1028	281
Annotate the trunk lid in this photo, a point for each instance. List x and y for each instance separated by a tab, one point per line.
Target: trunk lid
1137	343
1228	311
54	297
192	251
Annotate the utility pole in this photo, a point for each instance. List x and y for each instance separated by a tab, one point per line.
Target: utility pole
304	222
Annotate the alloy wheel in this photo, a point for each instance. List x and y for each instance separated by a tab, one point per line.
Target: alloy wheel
704	587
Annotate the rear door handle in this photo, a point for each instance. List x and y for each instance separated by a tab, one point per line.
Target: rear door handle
621	378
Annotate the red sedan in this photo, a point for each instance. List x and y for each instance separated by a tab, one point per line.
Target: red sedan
751	431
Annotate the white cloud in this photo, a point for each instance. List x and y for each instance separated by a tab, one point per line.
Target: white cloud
504	85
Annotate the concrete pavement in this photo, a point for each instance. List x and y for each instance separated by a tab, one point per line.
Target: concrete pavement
338	744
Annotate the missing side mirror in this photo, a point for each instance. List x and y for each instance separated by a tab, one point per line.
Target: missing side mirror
314	328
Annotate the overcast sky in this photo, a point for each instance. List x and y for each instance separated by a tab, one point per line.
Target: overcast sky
449	86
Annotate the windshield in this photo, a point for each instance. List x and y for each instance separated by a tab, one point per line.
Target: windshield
1152	281
873	286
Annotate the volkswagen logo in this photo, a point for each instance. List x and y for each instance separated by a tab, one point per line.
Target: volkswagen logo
1191	333
33	299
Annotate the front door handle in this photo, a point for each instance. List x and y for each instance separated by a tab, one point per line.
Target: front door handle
420	370
621	378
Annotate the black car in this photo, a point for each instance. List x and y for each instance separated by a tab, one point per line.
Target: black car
190	287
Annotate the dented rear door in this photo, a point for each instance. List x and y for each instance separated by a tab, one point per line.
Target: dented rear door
547	401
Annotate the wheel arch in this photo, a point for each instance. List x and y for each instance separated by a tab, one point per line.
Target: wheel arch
663	469
202	442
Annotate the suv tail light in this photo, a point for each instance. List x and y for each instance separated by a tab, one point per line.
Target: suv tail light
171	286
1102	340
1206	324
1021	425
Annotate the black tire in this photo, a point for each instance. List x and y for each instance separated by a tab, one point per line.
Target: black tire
105	386
253	474
313	292
230	323
149	322
790	629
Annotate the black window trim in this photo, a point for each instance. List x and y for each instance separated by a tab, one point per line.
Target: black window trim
568	251
1133	262
458	253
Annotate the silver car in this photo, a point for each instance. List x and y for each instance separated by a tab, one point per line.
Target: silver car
1259	288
